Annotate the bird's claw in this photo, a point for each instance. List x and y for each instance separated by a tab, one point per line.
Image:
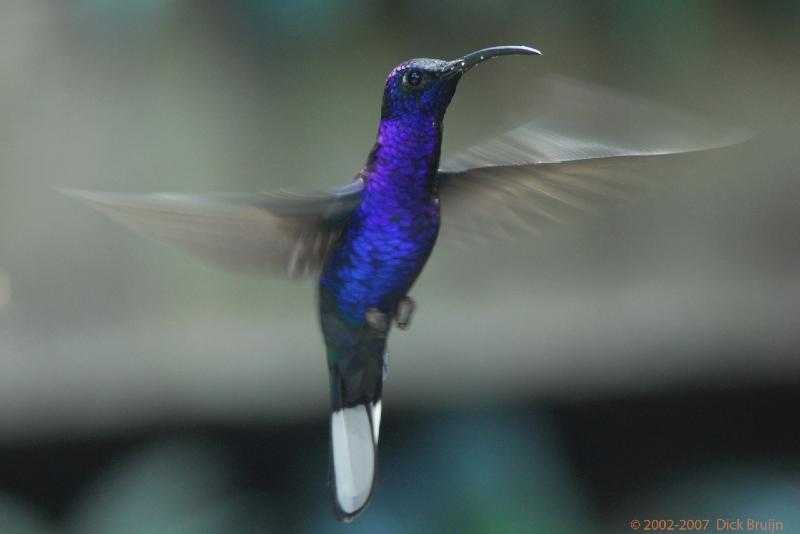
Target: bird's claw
377	320
405	310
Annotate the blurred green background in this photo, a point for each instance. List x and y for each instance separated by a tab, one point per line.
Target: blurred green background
645	365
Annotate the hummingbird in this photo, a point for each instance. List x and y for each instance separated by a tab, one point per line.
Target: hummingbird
368	241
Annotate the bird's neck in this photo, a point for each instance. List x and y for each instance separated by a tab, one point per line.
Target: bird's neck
405	156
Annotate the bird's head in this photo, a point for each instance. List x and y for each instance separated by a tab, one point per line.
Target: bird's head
424	87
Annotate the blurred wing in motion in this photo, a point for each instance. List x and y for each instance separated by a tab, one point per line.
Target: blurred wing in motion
286	234
589	145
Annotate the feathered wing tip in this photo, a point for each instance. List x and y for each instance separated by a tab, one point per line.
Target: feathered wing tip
587	148
286	234
354	458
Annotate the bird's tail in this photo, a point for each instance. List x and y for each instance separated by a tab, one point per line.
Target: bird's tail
355	421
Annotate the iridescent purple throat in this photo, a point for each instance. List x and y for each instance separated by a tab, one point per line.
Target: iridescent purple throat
387	242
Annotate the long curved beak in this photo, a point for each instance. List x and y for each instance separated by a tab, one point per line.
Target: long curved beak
463	64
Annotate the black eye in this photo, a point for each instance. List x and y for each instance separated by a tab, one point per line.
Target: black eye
413	78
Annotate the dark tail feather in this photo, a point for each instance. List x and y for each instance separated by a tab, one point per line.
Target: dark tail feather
355	421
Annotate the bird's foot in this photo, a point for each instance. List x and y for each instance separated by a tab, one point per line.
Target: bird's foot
405	310
377	320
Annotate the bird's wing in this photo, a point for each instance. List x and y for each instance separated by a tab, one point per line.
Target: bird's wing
589	145
285	233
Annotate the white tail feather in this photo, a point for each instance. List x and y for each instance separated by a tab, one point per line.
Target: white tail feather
352	438
376	420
